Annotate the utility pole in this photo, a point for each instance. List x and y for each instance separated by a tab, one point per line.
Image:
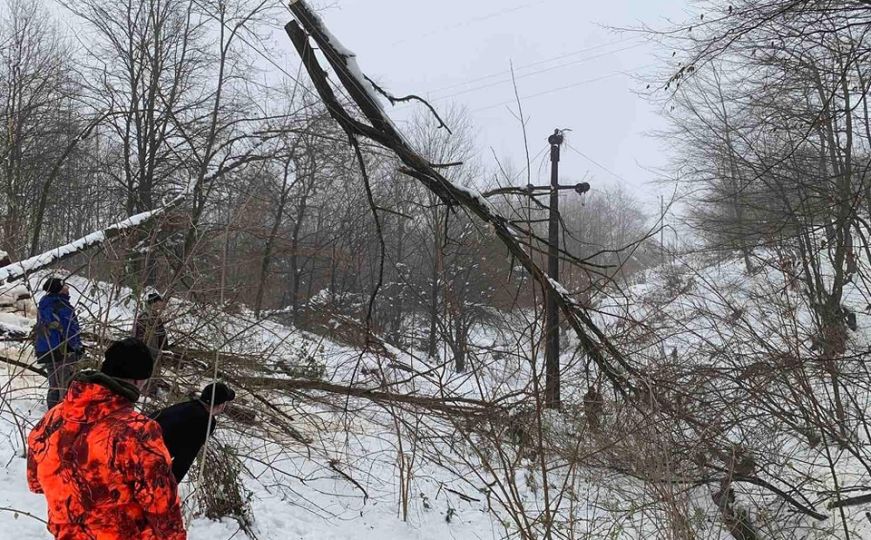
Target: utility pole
551	307
551	351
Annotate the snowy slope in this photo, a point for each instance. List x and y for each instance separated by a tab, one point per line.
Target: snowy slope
698	315
299	494
346	483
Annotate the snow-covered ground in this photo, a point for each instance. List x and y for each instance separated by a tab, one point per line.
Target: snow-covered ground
296	490
361	460
305	503
736	335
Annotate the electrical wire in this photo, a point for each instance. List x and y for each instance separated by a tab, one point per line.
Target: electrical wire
471	21
532	64
552	90
537	72
594	162
546	92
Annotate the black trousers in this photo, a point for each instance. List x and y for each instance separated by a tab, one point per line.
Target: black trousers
60	370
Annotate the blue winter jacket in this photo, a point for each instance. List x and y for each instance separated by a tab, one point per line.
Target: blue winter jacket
57	328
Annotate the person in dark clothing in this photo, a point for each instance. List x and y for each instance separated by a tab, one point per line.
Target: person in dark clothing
185	425
149	326
57	338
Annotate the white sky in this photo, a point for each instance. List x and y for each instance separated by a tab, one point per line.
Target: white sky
574	72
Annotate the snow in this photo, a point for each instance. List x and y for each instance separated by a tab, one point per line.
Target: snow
16	324
306	502
700	314
297	494
295	491
478	198
350	60
560	290
354	71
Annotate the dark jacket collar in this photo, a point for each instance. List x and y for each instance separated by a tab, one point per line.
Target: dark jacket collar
122	388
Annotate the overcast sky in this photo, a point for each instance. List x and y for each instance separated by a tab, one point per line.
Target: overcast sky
572	72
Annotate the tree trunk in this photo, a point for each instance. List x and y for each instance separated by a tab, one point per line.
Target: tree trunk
270	242
434	295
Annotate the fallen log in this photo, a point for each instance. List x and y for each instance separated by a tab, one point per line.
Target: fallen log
449	405
29	367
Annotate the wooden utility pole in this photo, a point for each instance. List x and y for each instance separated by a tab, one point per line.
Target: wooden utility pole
551	354
551	305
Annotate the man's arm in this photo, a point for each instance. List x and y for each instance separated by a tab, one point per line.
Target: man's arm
74	331
69	326
181	464
156	490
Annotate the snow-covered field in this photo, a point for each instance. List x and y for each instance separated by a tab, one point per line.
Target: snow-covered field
296	490
379	470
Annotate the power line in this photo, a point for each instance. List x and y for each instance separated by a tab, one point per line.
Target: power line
537	72
546	92
281	69
596	163
540	154
533	64
472	21
551	91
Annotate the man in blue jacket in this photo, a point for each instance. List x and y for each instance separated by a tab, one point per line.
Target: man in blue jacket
58	342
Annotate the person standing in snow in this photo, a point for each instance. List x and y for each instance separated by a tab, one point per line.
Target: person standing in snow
103	468
149	326
57	339
186	426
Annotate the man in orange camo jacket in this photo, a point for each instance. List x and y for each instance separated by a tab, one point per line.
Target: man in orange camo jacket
103	468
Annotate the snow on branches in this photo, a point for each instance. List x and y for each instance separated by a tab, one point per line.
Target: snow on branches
28	266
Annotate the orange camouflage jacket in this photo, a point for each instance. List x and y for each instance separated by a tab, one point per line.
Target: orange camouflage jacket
103	467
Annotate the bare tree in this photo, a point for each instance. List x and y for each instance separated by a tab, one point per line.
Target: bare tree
36	89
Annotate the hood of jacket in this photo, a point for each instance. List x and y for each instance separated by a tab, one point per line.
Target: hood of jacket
93	396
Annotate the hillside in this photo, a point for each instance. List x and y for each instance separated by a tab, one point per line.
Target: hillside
296	489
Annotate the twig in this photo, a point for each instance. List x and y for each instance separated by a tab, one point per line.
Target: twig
334	466
850	501
411	97
446	165
808	511
446	404
461	495
23	513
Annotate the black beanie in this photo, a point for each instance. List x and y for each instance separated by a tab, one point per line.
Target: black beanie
53	285
153	297
221	391
129	358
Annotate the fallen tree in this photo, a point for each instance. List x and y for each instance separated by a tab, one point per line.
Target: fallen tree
613	364
22	269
